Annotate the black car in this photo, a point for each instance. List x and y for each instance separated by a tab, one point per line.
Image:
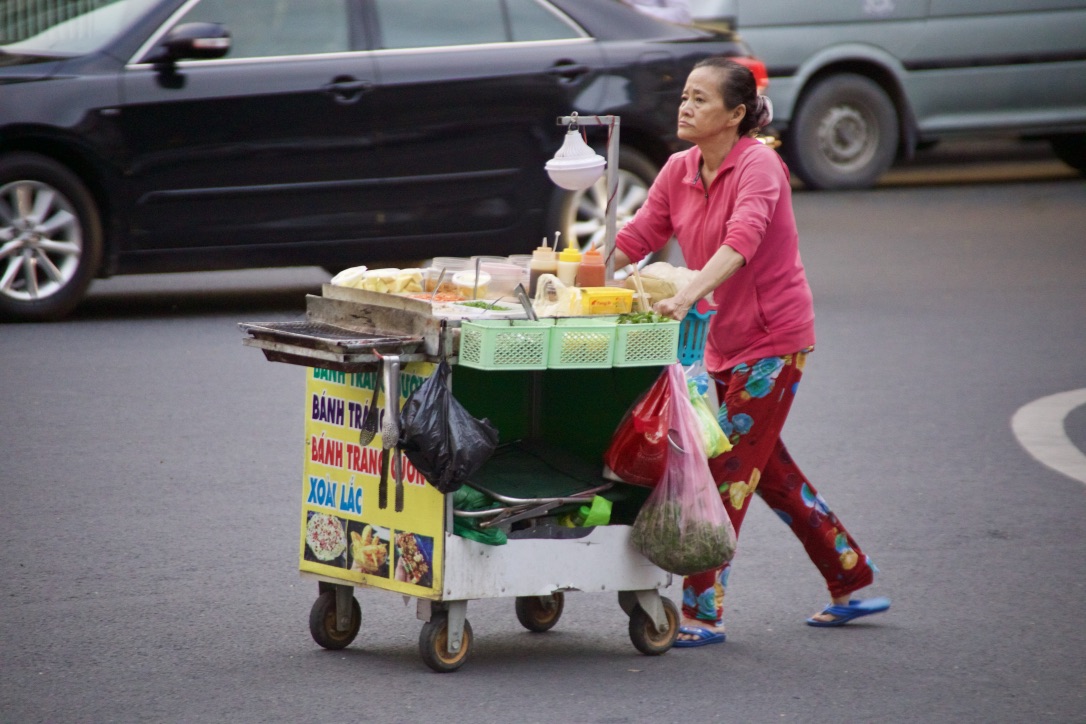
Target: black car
179	135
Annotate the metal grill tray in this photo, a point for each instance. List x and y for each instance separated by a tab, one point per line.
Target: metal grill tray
319	344
320	335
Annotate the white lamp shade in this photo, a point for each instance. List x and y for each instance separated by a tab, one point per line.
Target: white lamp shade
576	166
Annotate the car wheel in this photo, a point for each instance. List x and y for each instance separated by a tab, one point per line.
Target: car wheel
582	215
1071	150
844	134
50	238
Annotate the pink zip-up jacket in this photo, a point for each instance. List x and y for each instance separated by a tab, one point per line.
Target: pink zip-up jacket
765	309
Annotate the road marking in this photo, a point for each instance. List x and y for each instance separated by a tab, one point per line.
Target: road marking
1039	429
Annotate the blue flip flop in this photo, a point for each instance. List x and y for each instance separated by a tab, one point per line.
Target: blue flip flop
703	637
853	610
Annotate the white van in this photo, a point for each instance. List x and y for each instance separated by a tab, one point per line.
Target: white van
856	84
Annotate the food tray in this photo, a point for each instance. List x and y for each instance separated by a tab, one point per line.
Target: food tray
498	344
458	311
582	342
640	345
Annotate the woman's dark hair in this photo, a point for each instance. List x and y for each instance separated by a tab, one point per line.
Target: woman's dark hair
738	87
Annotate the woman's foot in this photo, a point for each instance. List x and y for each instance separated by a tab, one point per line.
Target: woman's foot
843	609
695	632
825	616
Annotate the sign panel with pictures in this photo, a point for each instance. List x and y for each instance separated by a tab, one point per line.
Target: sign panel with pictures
356	527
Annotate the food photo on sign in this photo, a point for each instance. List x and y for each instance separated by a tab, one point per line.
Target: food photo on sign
414	559
369	548
326	539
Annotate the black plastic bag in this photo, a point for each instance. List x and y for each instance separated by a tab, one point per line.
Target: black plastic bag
440	438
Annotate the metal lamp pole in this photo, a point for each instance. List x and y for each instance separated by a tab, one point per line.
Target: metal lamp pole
611	177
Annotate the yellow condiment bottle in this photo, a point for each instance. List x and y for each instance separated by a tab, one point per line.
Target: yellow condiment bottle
569	262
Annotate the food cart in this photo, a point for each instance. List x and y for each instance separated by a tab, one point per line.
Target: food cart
369	519
555	389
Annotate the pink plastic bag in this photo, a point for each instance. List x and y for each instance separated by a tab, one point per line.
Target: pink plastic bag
683	526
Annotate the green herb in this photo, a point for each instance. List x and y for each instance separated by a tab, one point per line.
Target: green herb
642	318
678	545
481	305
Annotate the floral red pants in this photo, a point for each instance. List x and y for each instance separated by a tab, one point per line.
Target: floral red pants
755	400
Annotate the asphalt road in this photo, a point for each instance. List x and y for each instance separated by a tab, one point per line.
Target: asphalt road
150	473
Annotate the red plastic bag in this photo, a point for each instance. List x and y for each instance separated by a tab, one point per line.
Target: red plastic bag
683	526
638	450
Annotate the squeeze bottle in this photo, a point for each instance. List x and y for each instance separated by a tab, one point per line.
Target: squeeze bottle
569	261
592	272
544	261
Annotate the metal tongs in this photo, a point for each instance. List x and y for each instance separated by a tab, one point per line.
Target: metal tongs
525	302
390	434
370	416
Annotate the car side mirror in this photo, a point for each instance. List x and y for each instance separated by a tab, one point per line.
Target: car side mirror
192	41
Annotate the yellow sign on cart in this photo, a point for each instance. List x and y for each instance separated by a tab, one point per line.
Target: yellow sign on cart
352	528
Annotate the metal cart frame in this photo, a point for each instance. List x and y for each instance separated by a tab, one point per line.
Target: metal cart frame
535	571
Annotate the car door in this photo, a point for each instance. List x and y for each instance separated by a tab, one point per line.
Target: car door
1002	64
469	95
272	145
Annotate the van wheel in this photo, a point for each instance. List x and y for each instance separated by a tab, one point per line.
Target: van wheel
1071	150
582	215
50	238
844	134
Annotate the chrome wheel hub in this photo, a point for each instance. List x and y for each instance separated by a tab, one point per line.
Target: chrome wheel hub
846	137
40	241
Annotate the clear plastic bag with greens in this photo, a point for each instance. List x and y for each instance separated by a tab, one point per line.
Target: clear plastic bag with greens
712	436
683	526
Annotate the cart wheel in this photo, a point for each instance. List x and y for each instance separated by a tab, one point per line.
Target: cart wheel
434	642
643	631
322	622
540	613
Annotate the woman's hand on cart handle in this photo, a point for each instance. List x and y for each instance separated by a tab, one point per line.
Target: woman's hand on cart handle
673	307
725	262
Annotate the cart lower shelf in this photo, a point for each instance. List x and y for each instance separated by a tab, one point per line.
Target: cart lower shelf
446	639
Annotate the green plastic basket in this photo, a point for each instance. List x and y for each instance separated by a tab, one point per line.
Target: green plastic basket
641	345
582	342
505	344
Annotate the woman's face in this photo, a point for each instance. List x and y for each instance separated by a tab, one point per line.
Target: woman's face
702	113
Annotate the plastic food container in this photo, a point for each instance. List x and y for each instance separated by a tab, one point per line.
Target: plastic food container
504	278
606	300
467	287
475	310
451	265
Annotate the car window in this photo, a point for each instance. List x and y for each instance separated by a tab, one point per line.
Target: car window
261	28
529	20
435	22
46	26
432	23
